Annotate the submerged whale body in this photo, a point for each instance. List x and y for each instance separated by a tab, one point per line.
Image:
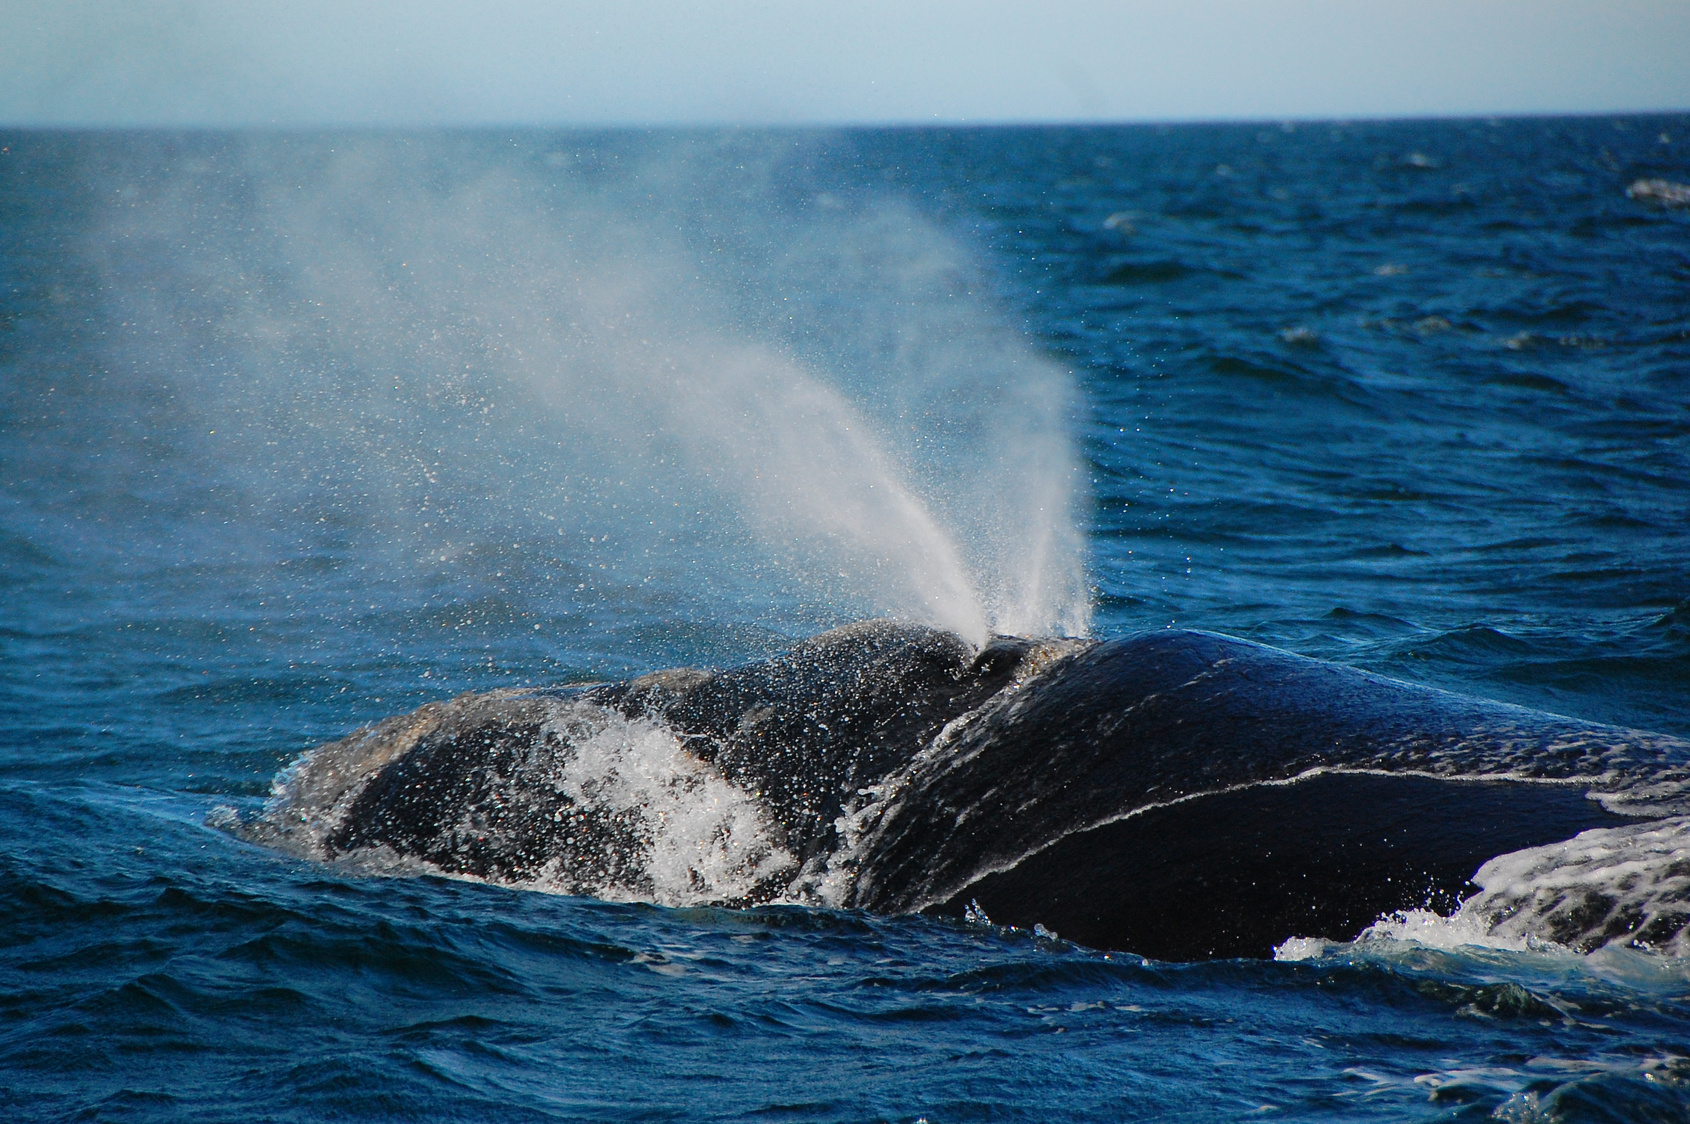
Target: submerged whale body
1178	794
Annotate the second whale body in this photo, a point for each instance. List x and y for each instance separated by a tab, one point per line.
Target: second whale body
1178	794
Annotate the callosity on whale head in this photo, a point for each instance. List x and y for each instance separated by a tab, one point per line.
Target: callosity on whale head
1179	794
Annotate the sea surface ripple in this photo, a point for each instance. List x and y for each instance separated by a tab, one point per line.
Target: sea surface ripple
1412	396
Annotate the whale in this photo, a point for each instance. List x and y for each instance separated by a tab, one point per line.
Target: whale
1177	794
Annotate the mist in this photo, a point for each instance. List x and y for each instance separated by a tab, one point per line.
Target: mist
666	367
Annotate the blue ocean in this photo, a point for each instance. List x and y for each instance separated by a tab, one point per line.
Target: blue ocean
299	431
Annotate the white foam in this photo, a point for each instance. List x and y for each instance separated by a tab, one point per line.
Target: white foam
1458	930
699	838
1302	948
1625	884
1613	899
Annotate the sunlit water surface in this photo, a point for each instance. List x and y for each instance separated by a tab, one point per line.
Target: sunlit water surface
300	431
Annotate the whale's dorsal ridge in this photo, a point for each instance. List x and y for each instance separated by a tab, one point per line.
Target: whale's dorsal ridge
1075	782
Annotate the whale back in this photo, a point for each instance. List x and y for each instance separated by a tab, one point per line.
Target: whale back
1162	717
1177	793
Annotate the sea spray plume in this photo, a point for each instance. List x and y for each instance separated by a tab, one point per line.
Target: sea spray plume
763	436
799	463
456	343
904	318
989	419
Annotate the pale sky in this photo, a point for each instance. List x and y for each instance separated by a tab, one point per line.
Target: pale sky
409	62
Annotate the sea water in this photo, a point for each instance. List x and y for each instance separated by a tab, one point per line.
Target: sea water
299	431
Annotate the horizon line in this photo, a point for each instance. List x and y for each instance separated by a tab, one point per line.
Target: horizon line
748	124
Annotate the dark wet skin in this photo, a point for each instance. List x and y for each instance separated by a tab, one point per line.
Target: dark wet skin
1177	794
1235	874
